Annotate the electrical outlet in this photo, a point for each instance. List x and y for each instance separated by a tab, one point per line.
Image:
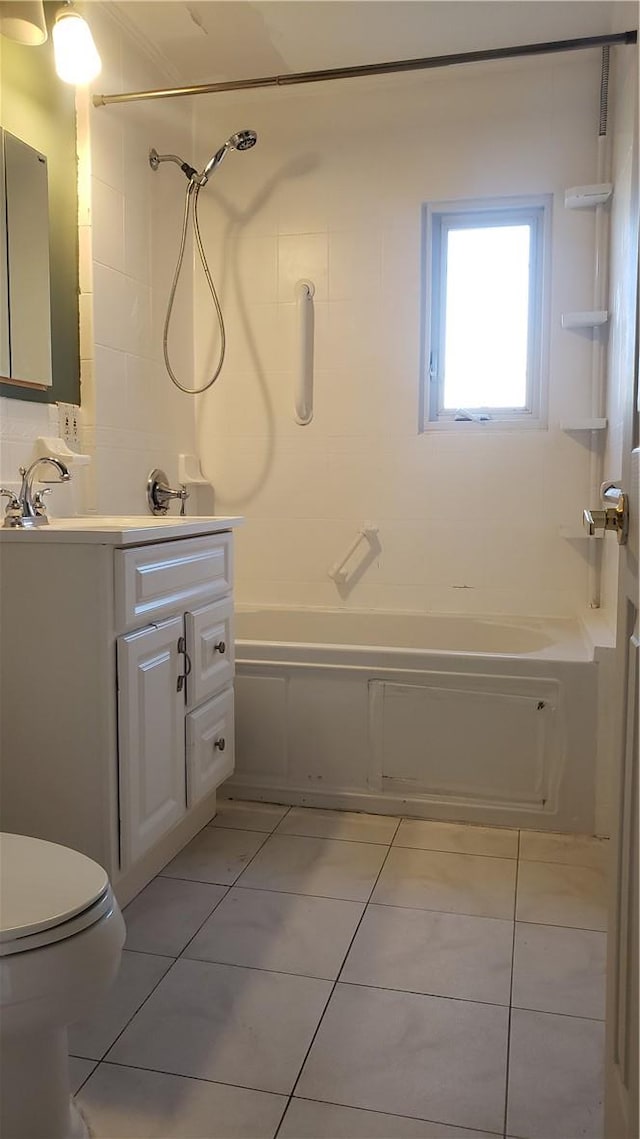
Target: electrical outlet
69	424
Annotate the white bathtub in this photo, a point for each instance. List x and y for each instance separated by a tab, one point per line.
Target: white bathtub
482	719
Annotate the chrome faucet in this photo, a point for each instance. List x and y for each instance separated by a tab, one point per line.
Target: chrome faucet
159	493
27	508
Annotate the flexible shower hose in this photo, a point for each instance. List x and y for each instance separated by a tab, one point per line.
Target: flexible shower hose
193	190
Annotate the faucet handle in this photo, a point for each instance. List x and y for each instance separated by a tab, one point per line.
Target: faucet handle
13	510
38	499
183	496
14	503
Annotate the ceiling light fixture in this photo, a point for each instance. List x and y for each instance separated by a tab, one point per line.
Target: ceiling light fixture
23	22
76	55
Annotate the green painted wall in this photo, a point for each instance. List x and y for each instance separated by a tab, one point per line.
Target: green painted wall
36	106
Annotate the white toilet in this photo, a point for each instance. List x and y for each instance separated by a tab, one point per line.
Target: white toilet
61	936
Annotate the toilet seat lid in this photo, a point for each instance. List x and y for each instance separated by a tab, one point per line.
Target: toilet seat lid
43	884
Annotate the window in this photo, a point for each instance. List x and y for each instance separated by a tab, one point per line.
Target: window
484	335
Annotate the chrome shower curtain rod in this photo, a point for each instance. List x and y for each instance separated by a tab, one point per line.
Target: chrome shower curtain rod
426	64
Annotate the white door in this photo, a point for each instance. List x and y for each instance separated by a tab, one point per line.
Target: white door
151	736
621	1095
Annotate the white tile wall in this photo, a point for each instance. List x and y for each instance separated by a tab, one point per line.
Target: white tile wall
20	423
132	418
139	420
333	192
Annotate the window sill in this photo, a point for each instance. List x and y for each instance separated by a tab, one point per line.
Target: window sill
472	426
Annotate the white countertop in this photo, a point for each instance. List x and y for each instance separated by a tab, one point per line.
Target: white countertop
114	530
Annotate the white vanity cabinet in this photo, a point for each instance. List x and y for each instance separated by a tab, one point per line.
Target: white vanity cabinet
117	688
175	742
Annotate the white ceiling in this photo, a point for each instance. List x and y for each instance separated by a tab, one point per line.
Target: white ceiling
202	41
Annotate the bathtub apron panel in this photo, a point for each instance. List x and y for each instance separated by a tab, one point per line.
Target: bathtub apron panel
494	738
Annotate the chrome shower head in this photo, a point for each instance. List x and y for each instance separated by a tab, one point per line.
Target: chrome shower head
242	140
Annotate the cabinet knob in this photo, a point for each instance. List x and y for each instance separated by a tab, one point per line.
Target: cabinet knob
220	647
220	744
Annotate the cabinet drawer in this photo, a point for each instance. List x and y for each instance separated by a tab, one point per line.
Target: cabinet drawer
153	582
210	746
211	648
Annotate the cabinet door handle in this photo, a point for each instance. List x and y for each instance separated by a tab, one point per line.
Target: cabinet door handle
220	744
182	648
220	647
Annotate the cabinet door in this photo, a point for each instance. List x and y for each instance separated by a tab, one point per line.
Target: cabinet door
210	746
151	737
211	648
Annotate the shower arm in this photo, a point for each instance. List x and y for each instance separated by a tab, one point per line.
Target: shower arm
155	159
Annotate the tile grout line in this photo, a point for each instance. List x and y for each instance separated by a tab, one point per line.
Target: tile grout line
96	1065
396	1115
465	853
235	884
153	952
403	846
279	1095
411	819
288	809
331	838
513	953
172	959
363	984
135	1013
335	983
229	887
387	905
266	835
182	1076
218	903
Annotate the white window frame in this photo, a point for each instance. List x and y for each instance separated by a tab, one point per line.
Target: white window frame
438	218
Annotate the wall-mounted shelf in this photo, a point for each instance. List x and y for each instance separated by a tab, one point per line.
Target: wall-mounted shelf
584	425
585	197
585	319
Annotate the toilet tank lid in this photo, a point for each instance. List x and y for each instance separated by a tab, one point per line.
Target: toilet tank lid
43	884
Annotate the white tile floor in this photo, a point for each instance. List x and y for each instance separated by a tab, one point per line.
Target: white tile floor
327	975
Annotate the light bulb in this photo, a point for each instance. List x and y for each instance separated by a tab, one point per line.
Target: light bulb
76	55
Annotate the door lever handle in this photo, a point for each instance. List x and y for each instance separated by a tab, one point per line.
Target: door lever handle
611	494
614	517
